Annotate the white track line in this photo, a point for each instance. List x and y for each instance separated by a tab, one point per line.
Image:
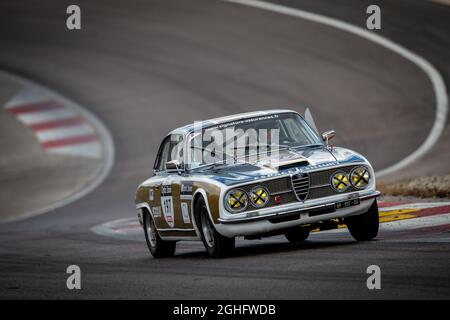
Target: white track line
124	229
105	136
435	78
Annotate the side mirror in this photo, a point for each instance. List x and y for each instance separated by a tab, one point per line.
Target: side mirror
173	165
328	135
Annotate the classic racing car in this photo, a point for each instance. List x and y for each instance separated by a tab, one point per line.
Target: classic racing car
289	182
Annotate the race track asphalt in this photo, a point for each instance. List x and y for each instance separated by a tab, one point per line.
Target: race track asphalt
146	67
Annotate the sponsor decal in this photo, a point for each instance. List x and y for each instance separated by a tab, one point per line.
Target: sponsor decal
166	190
151	194
243	121
156	212
185	212
186	190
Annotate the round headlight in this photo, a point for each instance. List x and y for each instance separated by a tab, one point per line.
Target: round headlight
360	177
259	196
340	182
236	200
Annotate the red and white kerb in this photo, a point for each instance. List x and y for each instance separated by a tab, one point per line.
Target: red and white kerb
58	127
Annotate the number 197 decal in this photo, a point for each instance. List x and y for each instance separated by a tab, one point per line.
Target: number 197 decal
167	206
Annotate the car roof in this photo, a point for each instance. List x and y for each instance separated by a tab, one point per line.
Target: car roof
239	116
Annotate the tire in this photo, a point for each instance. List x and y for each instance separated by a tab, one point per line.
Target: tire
216	245
297	234
158	247
365	226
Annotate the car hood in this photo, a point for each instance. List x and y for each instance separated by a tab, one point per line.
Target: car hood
290	162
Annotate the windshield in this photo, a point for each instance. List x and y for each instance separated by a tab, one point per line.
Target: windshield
249	140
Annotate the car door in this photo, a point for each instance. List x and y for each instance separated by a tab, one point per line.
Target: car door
170	187
174	192
159	204
176	197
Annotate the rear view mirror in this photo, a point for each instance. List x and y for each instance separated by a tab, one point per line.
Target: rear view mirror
328	135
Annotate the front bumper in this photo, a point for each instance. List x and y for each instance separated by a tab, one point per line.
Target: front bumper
292	215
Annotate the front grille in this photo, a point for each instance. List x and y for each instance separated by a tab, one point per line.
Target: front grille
278	186
273	186
320	178
300	183
320	185
316	184
300	187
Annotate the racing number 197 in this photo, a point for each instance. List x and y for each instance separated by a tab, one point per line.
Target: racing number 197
167	205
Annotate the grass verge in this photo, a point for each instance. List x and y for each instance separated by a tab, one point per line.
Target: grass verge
423	187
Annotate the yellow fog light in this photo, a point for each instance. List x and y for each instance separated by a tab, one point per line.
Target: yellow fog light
236	200
259	196
340	182
360	177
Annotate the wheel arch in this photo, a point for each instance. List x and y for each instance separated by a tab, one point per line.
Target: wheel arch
145	210
199	193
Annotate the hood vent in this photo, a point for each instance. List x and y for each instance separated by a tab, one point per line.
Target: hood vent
284	164
296	164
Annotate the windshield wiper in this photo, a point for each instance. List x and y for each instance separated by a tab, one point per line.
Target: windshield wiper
215	163
285	146
209	150
282	146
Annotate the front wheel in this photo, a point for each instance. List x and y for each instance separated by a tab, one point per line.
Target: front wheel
216	245
364	226
158	247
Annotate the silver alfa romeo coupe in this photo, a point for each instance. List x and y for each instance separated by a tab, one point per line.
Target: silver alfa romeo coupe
287	179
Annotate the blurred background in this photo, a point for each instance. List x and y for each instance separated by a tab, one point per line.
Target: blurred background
83	112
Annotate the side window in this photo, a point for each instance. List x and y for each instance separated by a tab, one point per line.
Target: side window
176	148
170	149
162	155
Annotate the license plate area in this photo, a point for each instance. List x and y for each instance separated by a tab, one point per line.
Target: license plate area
346	204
